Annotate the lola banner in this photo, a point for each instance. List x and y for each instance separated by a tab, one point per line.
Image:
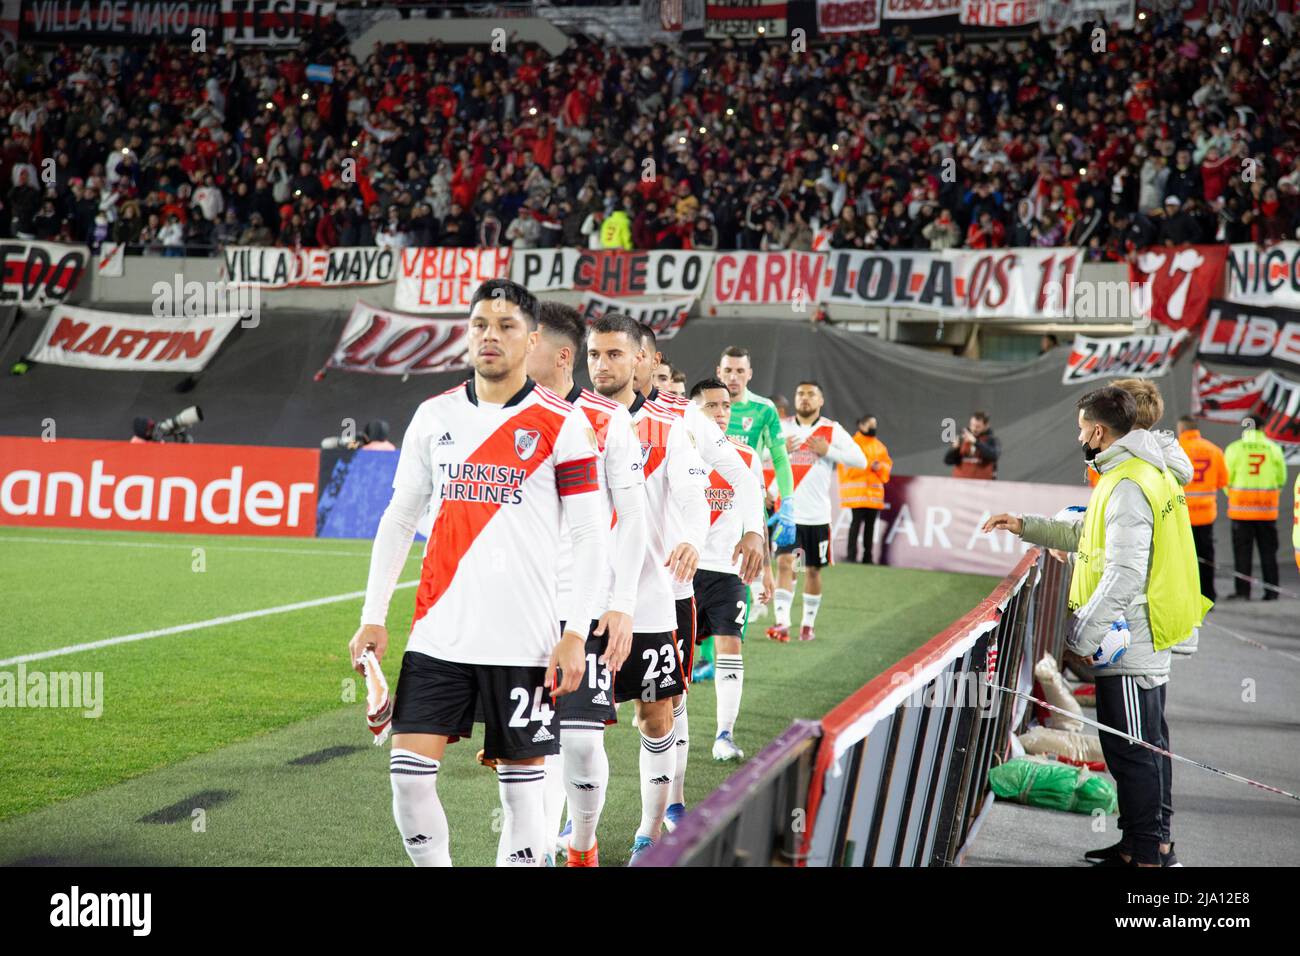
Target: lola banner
383	342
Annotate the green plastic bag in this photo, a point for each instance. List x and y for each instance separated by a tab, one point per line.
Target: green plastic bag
1057	786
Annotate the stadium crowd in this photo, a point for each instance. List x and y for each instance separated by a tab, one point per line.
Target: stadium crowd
1168	135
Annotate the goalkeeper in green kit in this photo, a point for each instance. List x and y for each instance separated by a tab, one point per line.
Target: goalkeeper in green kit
755	422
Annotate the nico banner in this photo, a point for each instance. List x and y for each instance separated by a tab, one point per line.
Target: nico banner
87	338
665	317
1129	356
1259	275
389	343
272	267
1251	335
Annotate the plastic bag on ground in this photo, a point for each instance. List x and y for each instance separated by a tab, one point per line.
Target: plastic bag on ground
1057	693
1080	747
1056	786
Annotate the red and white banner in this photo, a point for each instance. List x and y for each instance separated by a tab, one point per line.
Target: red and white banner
1279	405
116	21
1140	356
848	16
273	22
934	523
39	273
273	267
921	9
115	485
744	18
1060	15
1001	13
666	317
389	343
439	279
1251	335
1225	398
995	283
1263	275
110	261
1174	286
87	338
769	278
612	272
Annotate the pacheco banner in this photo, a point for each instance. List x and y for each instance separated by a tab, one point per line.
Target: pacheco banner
438	279
666	317
88	338
159	486
39	273
612	272
383	342
1251	335
1130	356
272	267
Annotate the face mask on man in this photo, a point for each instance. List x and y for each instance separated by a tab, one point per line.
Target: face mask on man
1089	452
870	433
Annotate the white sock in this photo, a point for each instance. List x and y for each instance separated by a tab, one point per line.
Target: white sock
524	829
417	809
657	766
811	602
586	778
781	601
728	683
681	730
553	801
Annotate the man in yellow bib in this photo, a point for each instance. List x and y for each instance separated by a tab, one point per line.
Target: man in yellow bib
1135	593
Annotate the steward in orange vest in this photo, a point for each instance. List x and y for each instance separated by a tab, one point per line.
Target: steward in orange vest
863	489
1209	474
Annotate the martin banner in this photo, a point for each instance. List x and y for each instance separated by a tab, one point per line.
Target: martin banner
87	338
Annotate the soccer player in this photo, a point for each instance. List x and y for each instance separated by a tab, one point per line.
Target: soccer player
663	374
584	713
749	547
754	420
501	460
675	480
678	384
720	593
816	446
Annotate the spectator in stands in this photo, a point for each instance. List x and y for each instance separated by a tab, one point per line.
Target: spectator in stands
975	454
942	233
172	236
986	232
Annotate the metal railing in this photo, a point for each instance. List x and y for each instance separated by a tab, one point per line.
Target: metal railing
897	774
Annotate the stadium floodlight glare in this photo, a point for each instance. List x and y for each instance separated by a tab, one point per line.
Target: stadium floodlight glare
761	29
1060	107
1082	171
1224	48
730	111
1142	15
305	97
1267	42
259	160
532	111
835	147
681	140
703	130
354	144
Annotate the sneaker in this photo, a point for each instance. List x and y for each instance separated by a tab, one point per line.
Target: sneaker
673	816
1169	859
583	857
1105	853
724	748
703	671
806	633
779	632
1118	860
639	846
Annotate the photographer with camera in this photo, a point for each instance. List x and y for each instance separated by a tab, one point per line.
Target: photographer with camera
177	428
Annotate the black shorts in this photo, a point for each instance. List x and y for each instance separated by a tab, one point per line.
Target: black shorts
653	671
685	634
723	604
814	540
434	696
591	706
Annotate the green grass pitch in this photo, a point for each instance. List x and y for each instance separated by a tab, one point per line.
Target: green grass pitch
236	743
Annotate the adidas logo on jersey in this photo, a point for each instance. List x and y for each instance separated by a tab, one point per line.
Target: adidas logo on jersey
661	780
667	681
600	698
542	735
445	439
418	840
523	856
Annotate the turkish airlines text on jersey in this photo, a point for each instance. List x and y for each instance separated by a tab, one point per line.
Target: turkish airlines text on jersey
212	489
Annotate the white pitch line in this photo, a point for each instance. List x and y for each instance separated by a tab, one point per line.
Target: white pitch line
1252	642
195	626
188	547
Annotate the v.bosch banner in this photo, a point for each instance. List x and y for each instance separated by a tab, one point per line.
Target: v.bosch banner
1174	286
273	22
389	343
612	272
664	317
207	489
435	279
39	273
87	338
272	267
116	21
1141	356
1251	335
1263	275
